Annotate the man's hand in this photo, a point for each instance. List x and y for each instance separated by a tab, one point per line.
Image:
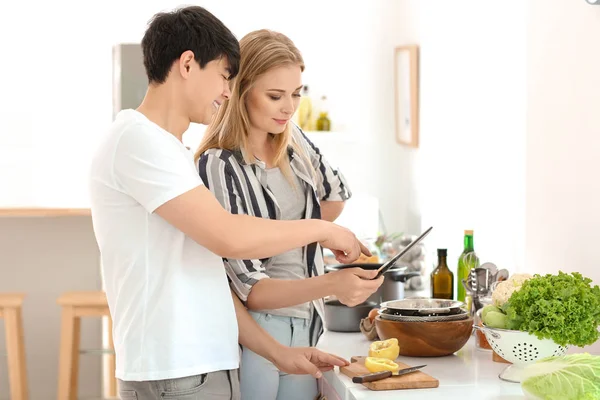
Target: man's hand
352	286
305	361
344	245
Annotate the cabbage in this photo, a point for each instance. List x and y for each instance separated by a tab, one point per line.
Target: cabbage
496	319
570	377
487	309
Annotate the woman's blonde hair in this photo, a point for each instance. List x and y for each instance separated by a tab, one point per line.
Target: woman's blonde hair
260	51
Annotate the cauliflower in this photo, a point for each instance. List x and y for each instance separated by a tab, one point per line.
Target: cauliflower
505	289
519	279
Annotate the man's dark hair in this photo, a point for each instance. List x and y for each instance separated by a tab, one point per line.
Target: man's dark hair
169	34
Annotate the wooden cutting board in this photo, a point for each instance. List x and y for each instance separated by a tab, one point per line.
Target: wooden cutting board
414	380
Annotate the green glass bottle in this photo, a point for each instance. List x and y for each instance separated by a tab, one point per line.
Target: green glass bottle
466	262
442	279
323	123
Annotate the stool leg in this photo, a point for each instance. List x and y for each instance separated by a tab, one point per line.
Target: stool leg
68	368
112	365
15	347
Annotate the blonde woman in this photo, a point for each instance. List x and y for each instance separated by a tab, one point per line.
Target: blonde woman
257	162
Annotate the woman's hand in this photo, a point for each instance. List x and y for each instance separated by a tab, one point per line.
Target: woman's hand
305	361
352	286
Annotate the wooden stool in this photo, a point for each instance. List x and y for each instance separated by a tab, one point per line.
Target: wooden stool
74	306
10	310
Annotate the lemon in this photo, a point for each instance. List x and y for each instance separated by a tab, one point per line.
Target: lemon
385	349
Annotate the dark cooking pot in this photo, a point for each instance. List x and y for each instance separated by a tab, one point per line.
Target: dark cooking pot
393	283
341	318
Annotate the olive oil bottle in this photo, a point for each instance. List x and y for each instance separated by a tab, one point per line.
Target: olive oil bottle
442	279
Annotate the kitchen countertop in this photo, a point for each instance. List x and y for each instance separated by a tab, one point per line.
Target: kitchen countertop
468	374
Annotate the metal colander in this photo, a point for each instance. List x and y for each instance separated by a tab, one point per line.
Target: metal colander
519	348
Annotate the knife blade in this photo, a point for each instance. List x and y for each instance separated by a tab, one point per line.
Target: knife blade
376	376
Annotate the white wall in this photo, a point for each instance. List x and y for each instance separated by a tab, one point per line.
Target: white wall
394	181
471	161
374	163
563	141
563	138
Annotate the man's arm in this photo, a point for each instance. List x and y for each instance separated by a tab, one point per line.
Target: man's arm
198	214
293	360
151	169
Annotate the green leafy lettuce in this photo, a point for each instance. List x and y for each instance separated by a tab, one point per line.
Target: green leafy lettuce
563	307
570	377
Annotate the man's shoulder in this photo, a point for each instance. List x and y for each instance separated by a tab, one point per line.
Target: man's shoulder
118	135
126	136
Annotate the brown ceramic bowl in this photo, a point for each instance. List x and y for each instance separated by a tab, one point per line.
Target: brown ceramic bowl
426	339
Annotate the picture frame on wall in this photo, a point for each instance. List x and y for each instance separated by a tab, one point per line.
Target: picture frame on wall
406	93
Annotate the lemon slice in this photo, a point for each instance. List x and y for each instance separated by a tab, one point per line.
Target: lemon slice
375	364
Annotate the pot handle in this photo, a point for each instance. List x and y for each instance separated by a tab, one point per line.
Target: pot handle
404	276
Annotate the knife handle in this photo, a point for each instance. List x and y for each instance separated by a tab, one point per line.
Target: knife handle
372	377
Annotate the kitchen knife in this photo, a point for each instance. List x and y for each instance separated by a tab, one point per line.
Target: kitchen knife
376	376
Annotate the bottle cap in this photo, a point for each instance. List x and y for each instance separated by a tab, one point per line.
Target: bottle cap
469	232
442	252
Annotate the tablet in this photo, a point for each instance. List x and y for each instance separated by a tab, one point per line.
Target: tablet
385	267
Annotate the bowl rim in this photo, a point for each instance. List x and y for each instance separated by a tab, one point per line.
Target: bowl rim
430	304
468	319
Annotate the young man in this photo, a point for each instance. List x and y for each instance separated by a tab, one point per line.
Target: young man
162	234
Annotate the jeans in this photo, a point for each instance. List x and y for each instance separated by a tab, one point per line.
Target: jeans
260	379
219	385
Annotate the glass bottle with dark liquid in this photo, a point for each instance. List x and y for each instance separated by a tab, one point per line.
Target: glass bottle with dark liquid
442	279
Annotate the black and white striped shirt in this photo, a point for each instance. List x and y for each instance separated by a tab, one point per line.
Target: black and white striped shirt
242	188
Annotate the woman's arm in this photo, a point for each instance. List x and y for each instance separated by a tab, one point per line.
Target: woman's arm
330	210
351	286
332	188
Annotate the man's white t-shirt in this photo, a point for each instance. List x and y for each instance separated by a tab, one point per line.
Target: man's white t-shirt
169	298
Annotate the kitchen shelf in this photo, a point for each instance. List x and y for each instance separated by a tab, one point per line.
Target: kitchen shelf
44	212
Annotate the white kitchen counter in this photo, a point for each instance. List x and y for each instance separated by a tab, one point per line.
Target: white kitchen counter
468	374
